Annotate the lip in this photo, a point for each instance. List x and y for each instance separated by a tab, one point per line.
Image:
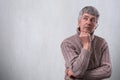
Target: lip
87	29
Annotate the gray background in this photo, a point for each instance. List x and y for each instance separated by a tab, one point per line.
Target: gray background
31	32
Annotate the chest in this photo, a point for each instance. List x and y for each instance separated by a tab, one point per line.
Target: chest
95	58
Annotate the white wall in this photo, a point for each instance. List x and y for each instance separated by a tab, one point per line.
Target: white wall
31	32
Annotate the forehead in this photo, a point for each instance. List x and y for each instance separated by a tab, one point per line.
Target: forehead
88	15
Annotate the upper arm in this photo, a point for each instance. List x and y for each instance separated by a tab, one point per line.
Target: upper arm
68	51
106	61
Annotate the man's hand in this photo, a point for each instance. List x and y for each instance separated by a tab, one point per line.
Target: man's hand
86	39
69	73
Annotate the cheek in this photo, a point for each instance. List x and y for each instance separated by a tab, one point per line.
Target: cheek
80	24
93	26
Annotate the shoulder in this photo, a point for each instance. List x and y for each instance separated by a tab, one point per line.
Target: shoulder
72	40
99	40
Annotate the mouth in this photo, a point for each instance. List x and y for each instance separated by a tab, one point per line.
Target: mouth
87	30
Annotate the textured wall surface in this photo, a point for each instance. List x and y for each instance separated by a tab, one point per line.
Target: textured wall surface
31	32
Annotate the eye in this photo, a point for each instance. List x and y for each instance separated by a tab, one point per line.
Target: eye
85	18
93	20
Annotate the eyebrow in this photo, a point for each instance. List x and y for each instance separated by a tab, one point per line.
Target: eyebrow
88	16
85	16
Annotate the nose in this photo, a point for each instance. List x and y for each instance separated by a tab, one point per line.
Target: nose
89	21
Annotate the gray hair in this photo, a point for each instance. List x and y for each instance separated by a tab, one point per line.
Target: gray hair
90	10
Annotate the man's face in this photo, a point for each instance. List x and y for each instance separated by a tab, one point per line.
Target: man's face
87	23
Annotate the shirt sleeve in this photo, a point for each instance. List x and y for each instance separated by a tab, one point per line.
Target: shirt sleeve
105	69
76	63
